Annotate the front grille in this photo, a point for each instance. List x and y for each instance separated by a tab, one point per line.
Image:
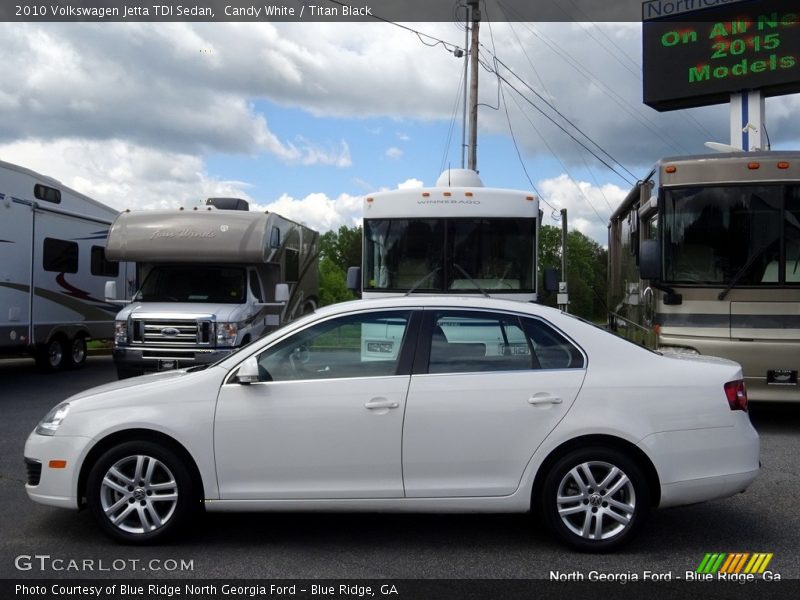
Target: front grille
175	333
34	468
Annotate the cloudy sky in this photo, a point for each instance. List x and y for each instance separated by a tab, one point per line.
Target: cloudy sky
305	118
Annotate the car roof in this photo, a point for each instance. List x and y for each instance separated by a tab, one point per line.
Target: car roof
433	301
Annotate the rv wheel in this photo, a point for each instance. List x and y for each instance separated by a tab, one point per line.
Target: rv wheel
52	356
77	353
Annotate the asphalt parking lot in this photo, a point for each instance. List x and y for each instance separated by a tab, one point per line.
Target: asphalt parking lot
765	519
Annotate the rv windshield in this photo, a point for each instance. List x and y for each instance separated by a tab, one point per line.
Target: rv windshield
732	235
194	283
450	255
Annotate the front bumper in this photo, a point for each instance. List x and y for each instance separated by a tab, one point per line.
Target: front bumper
57	486
161	359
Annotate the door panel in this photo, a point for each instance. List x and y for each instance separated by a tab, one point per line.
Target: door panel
310	439
487	388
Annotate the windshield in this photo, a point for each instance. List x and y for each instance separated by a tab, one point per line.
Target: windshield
739	235
190	283
449	254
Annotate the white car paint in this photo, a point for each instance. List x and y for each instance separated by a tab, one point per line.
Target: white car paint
419	442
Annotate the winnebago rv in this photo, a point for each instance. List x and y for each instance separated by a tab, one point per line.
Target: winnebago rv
210	280
455	238
52	269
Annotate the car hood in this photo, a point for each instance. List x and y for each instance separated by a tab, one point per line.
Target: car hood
180	310
152	379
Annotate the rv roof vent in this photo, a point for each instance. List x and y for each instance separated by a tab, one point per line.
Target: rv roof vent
459	178
228	203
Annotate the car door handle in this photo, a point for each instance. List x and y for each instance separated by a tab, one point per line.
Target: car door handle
372	404
544	399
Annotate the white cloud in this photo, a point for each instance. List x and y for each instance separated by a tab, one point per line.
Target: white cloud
318	211
578	197
410	184
394	153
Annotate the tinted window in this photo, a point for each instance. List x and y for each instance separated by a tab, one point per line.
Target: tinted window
551	349
365	345
470	342
255	287
101	266
60	256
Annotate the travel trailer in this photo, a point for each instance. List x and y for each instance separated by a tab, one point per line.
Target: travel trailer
52	269
211	280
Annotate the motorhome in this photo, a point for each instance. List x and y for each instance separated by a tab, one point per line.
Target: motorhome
53	268
457	237
211	280
704	258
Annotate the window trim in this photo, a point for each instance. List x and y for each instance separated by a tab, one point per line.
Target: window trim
422	355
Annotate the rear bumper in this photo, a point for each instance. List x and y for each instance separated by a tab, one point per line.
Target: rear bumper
158	359
704	464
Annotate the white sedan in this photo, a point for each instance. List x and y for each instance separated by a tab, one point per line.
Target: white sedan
427	404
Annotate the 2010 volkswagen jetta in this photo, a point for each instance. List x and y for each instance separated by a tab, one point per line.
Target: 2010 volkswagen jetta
407	404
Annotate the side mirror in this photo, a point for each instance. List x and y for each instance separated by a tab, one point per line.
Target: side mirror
650	260
248	372
551	279
354	279
111	291
281	292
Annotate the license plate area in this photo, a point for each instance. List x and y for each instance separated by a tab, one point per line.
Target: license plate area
782	377
167	364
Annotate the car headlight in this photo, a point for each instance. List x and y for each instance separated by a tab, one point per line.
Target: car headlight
52	420
120	332
226	334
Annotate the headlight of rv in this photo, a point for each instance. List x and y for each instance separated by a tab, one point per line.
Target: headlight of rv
52	420
226	334
120	332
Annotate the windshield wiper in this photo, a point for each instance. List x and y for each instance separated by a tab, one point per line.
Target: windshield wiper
740	273
421	281
475	283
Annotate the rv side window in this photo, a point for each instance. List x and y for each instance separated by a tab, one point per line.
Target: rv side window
275	238
102	267
60	256
292	265
48	194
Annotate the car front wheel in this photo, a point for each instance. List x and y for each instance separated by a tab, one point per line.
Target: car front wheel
595	499
140	492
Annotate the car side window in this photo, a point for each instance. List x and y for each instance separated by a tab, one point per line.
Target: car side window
471	342
550	348
363	345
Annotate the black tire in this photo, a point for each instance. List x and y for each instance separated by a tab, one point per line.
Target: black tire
123	373
52	356
76	356
143	518
600	518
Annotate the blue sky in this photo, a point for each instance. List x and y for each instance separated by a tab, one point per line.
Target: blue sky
305	118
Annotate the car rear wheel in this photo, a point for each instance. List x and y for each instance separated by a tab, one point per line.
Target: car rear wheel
595	499
140	492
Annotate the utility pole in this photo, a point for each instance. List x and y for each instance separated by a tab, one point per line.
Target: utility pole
473	86
466	84
563	292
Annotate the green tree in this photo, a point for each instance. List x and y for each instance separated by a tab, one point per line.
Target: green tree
587	266
339	250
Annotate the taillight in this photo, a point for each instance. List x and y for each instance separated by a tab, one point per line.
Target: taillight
737	394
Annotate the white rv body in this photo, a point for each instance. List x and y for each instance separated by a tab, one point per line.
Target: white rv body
457	237
53	269
208	282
